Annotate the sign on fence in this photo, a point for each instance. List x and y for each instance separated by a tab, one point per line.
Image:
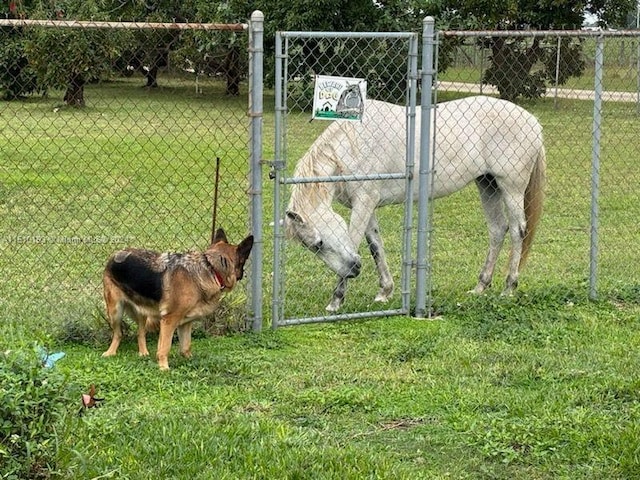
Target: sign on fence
339	98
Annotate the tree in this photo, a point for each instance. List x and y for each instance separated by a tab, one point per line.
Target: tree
513	58
17	78
349	58
219	53
68	58
152	48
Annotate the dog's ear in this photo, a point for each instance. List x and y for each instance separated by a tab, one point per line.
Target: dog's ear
244	248
243	251
220	236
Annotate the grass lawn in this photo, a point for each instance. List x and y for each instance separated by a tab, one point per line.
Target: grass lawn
542	385
495	389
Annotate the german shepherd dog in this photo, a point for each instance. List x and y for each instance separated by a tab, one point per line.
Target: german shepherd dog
169	289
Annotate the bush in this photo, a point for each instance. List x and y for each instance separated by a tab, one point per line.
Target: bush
32	404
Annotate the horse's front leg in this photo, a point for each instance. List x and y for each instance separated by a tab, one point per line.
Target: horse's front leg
338	295
376	247
362	208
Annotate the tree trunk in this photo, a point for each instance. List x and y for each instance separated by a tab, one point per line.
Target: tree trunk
74	95
152	77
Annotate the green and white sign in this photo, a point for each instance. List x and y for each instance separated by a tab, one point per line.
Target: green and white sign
339	98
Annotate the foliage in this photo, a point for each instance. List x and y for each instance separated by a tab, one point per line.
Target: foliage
69	58
17	78
32	406
518	67
81	55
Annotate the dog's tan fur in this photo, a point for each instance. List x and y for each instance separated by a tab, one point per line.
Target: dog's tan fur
169	290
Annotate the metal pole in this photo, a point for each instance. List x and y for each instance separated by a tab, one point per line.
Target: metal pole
422	265
481	70
555	92
216	185
410	168
255	158
278	165
595	166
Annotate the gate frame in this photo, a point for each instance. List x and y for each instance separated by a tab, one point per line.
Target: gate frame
279	163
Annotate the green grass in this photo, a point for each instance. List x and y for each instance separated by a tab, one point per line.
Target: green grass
495	390
542	385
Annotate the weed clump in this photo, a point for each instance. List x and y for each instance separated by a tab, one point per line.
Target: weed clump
33	402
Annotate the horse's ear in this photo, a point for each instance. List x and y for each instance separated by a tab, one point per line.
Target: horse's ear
294	217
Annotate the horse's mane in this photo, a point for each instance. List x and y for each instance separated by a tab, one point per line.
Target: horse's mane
316	162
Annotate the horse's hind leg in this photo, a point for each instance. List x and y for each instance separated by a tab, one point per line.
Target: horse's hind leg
491	197
376	247
514	201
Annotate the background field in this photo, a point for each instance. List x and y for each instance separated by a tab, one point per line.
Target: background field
540	385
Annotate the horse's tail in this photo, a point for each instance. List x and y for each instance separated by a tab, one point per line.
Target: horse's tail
533	200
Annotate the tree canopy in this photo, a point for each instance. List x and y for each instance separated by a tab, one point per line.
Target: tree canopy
38	59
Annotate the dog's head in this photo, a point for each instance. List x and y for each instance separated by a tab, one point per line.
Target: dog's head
227	259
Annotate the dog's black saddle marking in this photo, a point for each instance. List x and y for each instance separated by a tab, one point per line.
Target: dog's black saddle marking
135	275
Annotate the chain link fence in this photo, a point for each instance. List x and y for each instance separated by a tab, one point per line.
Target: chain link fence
111	132
583	87
303	285
115	135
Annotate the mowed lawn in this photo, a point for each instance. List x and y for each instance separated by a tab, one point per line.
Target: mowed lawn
541	385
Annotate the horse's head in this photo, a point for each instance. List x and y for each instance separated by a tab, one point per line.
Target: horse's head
326	234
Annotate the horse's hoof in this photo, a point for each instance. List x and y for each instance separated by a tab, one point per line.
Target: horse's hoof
333	306
382	298
480	287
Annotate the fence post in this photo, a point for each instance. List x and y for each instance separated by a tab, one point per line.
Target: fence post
557	76
412	94
595	166
256	75
423	273
278	166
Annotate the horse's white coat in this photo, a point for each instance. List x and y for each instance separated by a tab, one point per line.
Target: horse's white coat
494	142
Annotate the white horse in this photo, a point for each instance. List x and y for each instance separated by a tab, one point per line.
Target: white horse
493	142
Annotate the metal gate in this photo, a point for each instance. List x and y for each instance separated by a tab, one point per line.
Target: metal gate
302	284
